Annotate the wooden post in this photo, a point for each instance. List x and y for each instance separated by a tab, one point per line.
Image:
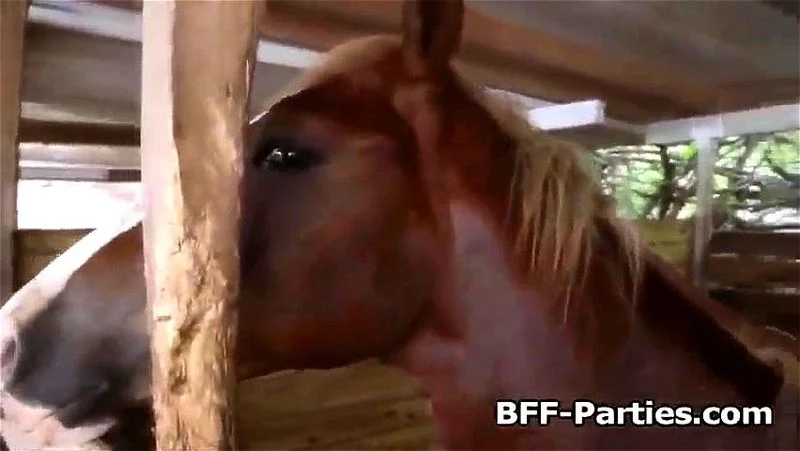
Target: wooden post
703	220
197	65
13	14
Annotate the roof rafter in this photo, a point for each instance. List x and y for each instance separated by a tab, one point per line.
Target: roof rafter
503	55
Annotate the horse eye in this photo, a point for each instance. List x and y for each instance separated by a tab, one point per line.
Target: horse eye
283	157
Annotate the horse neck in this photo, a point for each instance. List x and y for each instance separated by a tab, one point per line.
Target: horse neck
491	336
490	317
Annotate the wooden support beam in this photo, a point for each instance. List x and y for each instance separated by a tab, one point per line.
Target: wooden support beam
586	123
12	26
500	54
511	56
198	59
78	174
68	155
760	120
55	132
790	8
707	147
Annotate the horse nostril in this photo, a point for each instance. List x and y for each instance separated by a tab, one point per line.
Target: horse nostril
9	349
9	353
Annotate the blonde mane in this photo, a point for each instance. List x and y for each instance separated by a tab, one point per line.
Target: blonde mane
561	211
556	195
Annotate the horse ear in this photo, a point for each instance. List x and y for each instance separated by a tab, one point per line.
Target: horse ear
432	30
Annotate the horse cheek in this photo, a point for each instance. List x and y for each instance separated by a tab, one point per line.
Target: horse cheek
410	285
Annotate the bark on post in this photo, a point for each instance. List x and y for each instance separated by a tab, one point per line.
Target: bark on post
196	69
12	29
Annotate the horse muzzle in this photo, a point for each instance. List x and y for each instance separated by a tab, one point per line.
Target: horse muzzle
25	427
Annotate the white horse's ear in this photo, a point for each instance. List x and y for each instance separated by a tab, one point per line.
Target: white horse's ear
432	31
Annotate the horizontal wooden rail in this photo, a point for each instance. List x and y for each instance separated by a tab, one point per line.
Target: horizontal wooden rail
55	132
71	155
757	273
782	245
753	272
79	174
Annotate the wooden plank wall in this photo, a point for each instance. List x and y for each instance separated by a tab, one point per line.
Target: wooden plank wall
757	273
362	406
366	405
12	28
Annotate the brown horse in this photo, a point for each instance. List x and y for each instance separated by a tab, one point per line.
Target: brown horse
390	209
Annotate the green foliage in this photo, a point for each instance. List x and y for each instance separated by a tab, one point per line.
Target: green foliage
756	179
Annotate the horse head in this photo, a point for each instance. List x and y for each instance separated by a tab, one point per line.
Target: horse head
344	225
74	341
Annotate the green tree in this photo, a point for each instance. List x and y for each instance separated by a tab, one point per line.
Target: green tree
756	180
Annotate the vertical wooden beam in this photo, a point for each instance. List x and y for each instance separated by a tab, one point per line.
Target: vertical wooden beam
12	26
703	220
196	70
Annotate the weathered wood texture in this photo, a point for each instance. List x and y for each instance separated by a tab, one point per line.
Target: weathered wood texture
758	273
197	66
362	406
12	26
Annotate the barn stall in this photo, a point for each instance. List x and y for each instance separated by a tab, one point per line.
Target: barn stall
585	71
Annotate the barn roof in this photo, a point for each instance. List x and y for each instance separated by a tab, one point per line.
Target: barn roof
629	65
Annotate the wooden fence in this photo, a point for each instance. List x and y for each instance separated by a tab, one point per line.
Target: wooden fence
758	273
